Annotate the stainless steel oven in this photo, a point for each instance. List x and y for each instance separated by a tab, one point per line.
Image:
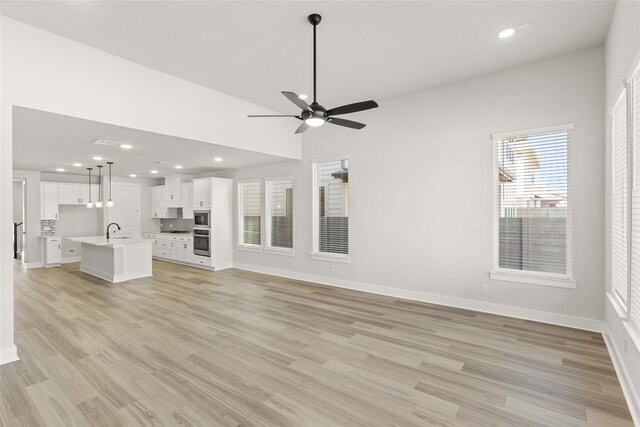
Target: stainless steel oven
202	242
202	219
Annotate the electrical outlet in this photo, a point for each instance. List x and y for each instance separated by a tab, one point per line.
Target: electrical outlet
71	251
484	287
626	345
333	268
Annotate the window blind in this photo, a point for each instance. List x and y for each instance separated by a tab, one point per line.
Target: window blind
331	207
533	203
635	250
619	199
250	202
280	213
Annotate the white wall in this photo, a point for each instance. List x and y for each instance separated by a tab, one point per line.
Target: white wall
622	48
421	191
17	201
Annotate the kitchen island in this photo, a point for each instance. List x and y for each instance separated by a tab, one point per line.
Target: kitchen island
117	259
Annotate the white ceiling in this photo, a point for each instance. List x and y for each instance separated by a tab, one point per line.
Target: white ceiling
45	141
367	50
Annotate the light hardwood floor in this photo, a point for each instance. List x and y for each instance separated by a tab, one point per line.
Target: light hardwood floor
193	347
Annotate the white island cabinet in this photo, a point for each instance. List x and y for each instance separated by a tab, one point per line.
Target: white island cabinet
117	259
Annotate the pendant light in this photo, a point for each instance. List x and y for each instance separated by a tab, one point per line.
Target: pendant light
99	202
109	202
89	203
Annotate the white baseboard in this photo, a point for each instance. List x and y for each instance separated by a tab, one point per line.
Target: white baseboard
38	264
9	354
485	307
633	401
70	259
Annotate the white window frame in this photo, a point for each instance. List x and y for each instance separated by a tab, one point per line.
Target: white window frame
276	250
315	238
241	245
622	306
524	276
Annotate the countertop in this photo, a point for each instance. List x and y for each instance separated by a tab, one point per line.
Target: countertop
103	241
167	233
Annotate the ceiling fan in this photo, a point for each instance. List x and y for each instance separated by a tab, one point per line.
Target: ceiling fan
314	115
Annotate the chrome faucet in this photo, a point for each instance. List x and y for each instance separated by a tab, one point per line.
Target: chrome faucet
113	223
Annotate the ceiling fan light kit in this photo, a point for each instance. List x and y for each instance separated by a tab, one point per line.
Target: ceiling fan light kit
314	114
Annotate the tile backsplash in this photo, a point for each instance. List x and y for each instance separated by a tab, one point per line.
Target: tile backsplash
176	224
47	227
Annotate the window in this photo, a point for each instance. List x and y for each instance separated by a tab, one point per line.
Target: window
279	209
619	199
249	202
532	206
331	210
634	304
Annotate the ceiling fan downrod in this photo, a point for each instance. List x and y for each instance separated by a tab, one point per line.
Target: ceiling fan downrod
314	19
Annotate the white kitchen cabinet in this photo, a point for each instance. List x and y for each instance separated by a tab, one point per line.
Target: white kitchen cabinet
68	193
52	251
185	251
172	189
159	208
49	196
187	199
85	195
76	194
202	193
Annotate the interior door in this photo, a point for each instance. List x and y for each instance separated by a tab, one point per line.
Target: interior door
125	210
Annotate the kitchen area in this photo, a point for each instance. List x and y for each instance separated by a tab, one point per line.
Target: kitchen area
182	220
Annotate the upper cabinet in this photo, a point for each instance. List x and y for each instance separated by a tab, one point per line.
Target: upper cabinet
172	190
187	200
49	196
158	209
76	194
202	193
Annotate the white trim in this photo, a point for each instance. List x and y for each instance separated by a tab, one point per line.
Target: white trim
633	400
274	250
71	259
9	354
240	219
248	248
330	159
618	305
584	323
527	276
38	264
501	135
331	257
533	278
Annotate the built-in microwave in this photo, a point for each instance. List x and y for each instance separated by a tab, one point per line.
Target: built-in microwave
202	219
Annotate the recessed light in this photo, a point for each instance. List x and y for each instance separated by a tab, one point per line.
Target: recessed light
60	169
506	33
217	159
154	171
77	165
302	96
126	146
98	158
178	167
133	175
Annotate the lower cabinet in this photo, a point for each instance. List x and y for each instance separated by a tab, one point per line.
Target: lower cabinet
176	248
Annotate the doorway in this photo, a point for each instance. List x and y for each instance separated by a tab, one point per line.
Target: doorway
19	223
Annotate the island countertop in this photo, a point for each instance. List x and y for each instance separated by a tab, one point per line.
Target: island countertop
103	241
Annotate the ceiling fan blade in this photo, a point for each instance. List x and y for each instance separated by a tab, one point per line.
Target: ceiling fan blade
302	128
352	108
274	115
346	123
296	100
